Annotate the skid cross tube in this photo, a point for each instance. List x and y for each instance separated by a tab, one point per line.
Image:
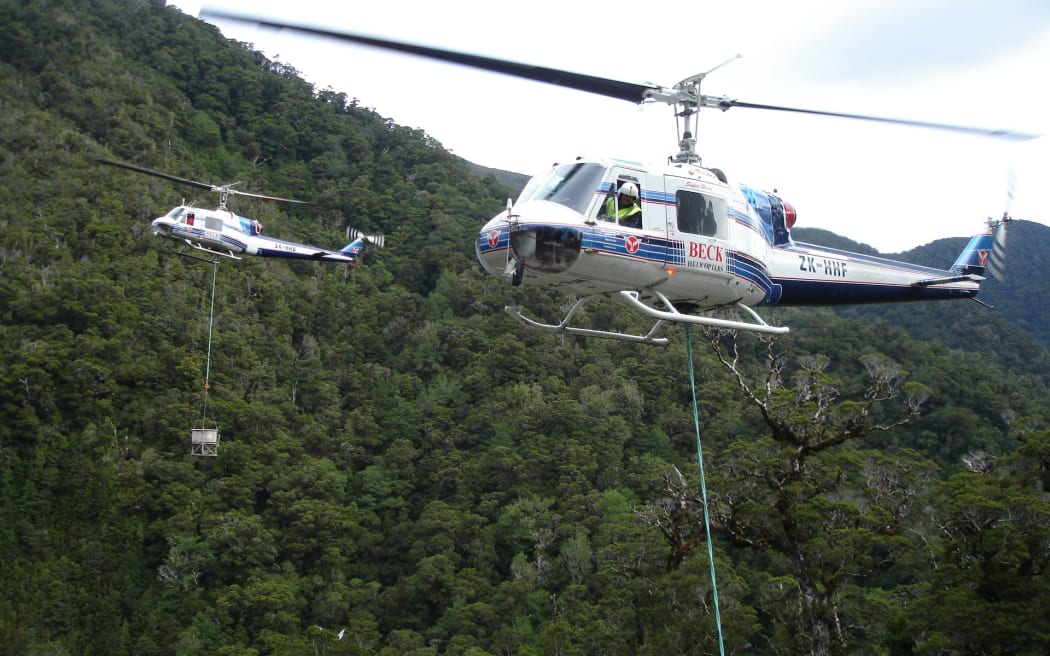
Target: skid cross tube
672	314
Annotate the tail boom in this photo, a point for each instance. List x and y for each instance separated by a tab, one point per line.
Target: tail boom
814	275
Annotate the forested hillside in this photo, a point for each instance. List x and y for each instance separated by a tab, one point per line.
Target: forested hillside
403	469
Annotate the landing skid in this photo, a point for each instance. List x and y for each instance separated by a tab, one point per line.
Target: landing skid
671	314
183	251
190	256
566	329
198	247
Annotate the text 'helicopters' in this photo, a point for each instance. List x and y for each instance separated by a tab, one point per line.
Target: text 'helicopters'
678	239
221	232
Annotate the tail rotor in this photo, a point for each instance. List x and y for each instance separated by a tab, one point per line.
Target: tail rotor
375	240
997	259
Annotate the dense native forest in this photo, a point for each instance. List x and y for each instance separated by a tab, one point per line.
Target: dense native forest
402	468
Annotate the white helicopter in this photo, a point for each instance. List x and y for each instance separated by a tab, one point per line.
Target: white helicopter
220	232
701	243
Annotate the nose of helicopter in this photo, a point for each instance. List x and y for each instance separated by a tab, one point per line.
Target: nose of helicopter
549	245
161	227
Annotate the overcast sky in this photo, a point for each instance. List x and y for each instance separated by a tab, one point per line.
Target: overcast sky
965	62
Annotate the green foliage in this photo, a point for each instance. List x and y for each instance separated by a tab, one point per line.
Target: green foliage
402	468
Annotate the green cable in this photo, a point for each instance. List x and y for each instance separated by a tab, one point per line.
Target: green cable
703	491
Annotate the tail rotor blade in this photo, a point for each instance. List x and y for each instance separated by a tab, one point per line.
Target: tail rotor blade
375	240
1011	187
997	260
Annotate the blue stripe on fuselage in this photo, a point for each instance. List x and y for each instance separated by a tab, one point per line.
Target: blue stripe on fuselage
748	268
801	291
240	245
652	249
830	292
294	250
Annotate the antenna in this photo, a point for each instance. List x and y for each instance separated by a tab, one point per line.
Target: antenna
728	61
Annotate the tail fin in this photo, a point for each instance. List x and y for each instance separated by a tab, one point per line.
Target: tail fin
358	241
985	251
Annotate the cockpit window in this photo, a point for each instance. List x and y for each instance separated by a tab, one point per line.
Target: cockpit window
571	185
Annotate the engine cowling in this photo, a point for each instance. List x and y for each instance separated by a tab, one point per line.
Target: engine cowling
777	215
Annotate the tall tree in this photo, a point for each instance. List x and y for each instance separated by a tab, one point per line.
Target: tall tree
788	493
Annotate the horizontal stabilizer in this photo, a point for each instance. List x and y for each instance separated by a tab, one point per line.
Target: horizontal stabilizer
944	281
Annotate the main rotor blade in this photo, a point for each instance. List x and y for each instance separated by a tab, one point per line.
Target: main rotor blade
628	91
263	196
631	92
193	183
1009	135
166	176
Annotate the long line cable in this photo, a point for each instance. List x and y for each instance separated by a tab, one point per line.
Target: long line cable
703	491
211	323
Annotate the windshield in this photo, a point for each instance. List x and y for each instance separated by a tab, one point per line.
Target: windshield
571	185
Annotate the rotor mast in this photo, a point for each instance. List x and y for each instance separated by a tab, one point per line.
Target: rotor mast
686	94
224	193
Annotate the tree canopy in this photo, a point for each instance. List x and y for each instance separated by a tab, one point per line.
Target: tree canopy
402	468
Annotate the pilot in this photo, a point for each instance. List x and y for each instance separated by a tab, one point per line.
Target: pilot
630	213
